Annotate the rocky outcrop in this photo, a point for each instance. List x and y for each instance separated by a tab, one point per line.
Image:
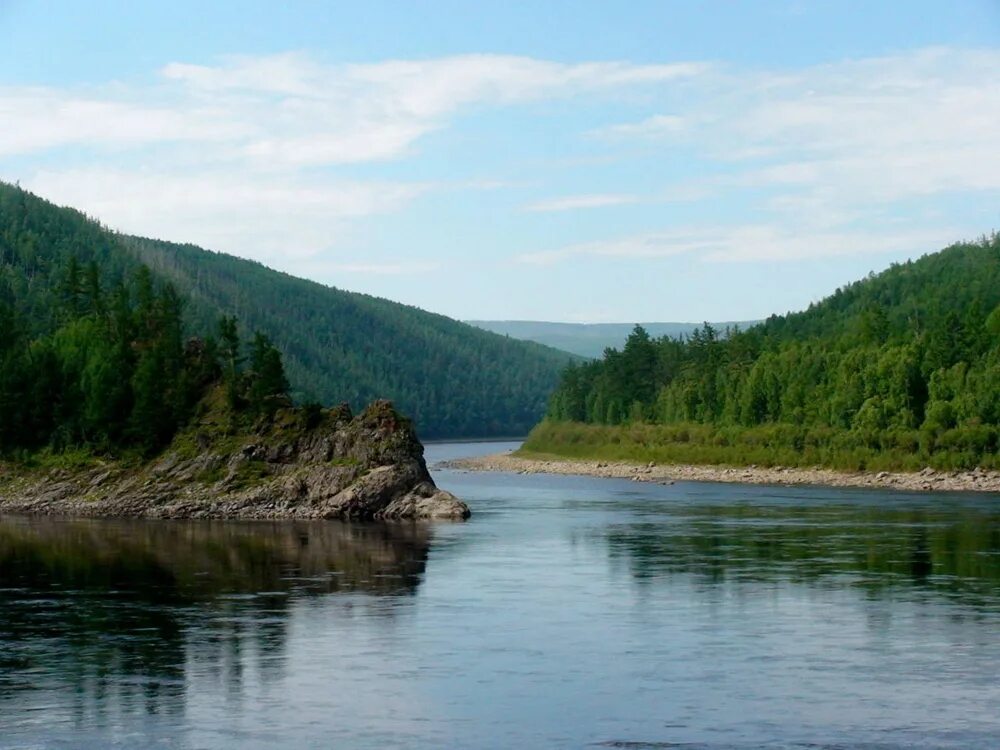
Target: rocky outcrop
297	464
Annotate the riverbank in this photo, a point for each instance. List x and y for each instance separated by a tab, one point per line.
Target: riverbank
976	480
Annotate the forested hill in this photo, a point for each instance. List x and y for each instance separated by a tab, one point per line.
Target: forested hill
454	380
588	339
899	369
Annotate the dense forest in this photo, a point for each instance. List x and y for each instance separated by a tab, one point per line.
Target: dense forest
901	369
454	380
114	373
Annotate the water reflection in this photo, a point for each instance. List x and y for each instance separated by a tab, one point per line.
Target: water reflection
568	613
950	551
112	616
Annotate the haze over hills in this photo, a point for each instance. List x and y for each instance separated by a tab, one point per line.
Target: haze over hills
453	379
590	339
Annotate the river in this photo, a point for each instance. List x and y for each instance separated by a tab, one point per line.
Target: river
567	613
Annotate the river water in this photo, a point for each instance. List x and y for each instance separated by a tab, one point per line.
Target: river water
567	613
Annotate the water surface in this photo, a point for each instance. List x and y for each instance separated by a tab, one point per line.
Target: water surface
568	612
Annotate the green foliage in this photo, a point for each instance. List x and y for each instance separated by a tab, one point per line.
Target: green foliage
898	369
121	379
247	475
312	415
766	445
108	379
453	379
267	382
229	338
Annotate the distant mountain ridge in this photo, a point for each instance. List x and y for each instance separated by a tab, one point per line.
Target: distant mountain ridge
452	379
590	339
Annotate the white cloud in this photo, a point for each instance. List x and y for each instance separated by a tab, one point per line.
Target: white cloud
36	119
656	126
653	245
228	155
879	129
395	268
827	157
274	220
243	155
291	109
752	242
572	202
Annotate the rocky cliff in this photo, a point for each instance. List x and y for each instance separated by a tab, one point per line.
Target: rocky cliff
299	463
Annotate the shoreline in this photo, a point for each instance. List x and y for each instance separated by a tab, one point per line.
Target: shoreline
927	480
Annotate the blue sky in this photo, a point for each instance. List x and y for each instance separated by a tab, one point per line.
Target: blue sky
521	160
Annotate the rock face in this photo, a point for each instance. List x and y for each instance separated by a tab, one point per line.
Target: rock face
369	467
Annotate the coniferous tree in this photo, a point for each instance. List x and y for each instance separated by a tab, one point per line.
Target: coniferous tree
267	377
229	341
72	289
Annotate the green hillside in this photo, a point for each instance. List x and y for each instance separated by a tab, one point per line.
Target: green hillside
589	339
454	380
901	369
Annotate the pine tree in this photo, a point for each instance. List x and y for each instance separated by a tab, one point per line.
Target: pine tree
267	377
229	340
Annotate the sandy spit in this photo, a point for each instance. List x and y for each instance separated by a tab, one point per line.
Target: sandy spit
976	480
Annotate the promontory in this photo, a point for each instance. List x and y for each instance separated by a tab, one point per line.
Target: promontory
299	463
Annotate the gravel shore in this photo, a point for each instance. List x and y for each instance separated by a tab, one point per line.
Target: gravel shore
976	480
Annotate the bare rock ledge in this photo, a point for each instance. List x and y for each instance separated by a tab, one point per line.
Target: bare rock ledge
369	467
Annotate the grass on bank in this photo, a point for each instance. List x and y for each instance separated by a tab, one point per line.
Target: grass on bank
767	445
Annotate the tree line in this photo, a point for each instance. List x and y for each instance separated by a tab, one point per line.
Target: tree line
452	379
907	361
115	371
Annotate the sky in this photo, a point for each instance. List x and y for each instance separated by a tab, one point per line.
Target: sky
568	161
